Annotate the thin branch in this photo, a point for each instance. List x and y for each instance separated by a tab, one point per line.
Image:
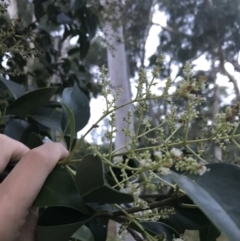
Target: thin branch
172	30
168	201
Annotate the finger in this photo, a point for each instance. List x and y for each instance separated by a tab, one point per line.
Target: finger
21	186
31	172
28	231
10	150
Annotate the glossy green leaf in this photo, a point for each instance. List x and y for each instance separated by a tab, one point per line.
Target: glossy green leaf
215	194
209	234
73	50
19	130
48	117
15	89
89	23
84	45
91	183
39	11
78	103
68	142
60	223
34	141
105	207
53	104
29	102
70	123
83	234
62	18
59	190
89	175
108	195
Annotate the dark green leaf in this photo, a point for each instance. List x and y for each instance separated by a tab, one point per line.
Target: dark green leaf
98	227
71	123
19	130
84	45
62	18
78	102
93	24
59	190
60	223
15	89
106	207
187	218
89	22
209	234
215	194
39	11
73	51
91	183
48	117
53	104
67	140
89	165
106	194
34	141
31	101
83	234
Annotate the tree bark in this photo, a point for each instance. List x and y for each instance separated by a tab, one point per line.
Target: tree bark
117	67
216	109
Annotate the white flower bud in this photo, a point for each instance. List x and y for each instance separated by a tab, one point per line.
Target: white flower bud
176	152
202	170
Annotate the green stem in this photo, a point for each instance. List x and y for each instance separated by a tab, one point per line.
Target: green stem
195	154
173	133
180	143
70	170
105	115
187	124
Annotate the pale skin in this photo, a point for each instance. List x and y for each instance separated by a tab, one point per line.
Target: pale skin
20	188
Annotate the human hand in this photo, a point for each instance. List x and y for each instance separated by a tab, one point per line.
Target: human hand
20	188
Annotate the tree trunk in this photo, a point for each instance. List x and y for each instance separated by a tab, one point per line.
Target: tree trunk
118	72
117	67
13	9
216	108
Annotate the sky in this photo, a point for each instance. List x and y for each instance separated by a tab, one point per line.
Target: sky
98	105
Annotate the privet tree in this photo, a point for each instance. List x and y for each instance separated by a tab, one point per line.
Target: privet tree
82	195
